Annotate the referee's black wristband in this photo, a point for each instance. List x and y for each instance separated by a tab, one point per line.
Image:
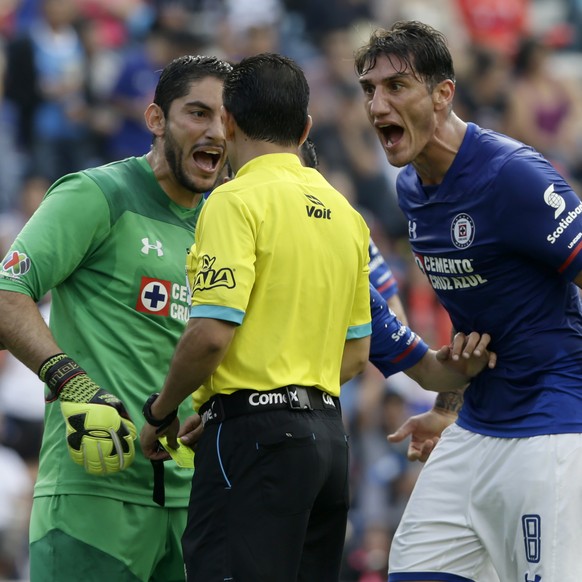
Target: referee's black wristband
159	423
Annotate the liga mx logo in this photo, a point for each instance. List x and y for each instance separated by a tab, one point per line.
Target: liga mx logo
15	264
462	231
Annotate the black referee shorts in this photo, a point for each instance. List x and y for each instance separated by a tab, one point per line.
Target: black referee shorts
269	499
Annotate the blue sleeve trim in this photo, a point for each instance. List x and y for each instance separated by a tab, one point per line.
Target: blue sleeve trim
218	312
359	331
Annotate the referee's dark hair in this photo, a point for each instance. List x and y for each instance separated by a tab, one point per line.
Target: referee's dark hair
268	96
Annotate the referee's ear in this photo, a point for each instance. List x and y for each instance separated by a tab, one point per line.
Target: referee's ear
306	130
228	122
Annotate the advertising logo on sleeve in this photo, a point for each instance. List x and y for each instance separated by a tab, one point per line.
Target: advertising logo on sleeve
553	199
566	219
210	277
15	264
154	296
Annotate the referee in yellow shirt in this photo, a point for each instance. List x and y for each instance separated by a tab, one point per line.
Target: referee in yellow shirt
280	318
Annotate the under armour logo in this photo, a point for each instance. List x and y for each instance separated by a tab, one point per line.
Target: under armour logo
147	247
411	229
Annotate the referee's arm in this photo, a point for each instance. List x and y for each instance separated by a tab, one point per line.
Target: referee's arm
355	358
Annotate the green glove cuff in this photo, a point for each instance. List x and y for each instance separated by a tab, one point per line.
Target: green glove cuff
66	380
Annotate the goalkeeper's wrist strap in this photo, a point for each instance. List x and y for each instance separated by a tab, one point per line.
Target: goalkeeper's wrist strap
56	371
159	423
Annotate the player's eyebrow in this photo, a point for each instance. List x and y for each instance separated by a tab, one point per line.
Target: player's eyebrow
198	104
388	79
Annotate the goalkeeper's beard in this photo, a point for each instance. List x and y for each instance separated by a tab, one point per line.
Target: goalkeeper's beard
174	155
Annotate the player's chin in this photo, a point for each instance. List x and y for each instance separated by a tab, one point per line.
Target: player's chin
201	181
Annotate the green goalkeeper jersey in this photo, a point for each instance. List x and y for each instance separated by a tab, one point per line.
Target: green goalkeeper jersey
111	247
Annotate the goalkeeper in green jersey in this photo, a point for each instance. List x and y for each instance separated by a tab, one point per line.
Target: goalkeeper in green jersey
110	244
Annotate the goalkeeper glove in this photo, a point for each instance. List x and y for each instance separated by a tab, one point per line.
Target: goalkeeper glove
100	433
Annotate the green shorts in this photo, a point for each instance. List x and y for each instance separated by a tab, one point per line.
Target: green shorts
90	538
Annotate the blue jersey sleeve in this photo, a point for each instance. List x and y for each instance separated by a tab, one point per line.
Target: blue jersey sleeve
381	275
542	219
394	346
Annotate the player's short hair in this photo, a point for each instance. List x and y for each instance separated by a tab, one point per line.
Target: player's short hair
268	97
420	48
179	74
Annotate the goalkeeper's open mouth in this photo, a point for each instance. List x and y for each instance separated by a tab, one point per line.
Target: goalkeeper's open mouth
208	158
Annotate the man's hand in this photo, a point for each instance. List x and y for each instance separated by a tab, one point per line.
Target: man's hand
425	430
150	445
100	433
468	354
191	430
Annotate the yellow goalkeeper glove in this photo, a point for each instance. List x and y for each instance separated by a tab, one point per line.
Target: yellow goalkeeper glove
100	433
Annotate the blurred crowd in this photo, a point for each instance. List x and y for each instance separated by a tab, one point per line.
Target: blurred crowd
76	76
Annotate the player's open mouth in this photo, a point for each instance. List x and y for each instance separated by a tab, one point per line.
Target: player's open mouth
391	134
208	159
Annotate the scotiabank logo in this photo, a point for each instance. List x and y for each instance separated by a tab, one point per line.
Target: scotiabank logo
154	296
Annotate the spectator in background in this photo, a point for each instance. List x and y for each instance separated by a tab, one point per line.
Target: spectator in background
45	85
15	492
385	479
496	25
483	90
117	22
11	160
545	109
33	188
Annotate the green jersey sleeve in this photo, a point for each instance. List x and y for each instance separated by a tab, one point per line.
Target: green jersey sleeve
68	226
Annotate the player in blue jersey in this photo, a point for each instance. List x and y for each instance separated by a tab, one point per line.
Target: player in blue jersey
498	232
394	347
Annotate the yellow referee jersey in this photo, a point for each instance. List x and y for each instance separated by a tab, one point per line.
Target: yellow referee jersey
283	254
